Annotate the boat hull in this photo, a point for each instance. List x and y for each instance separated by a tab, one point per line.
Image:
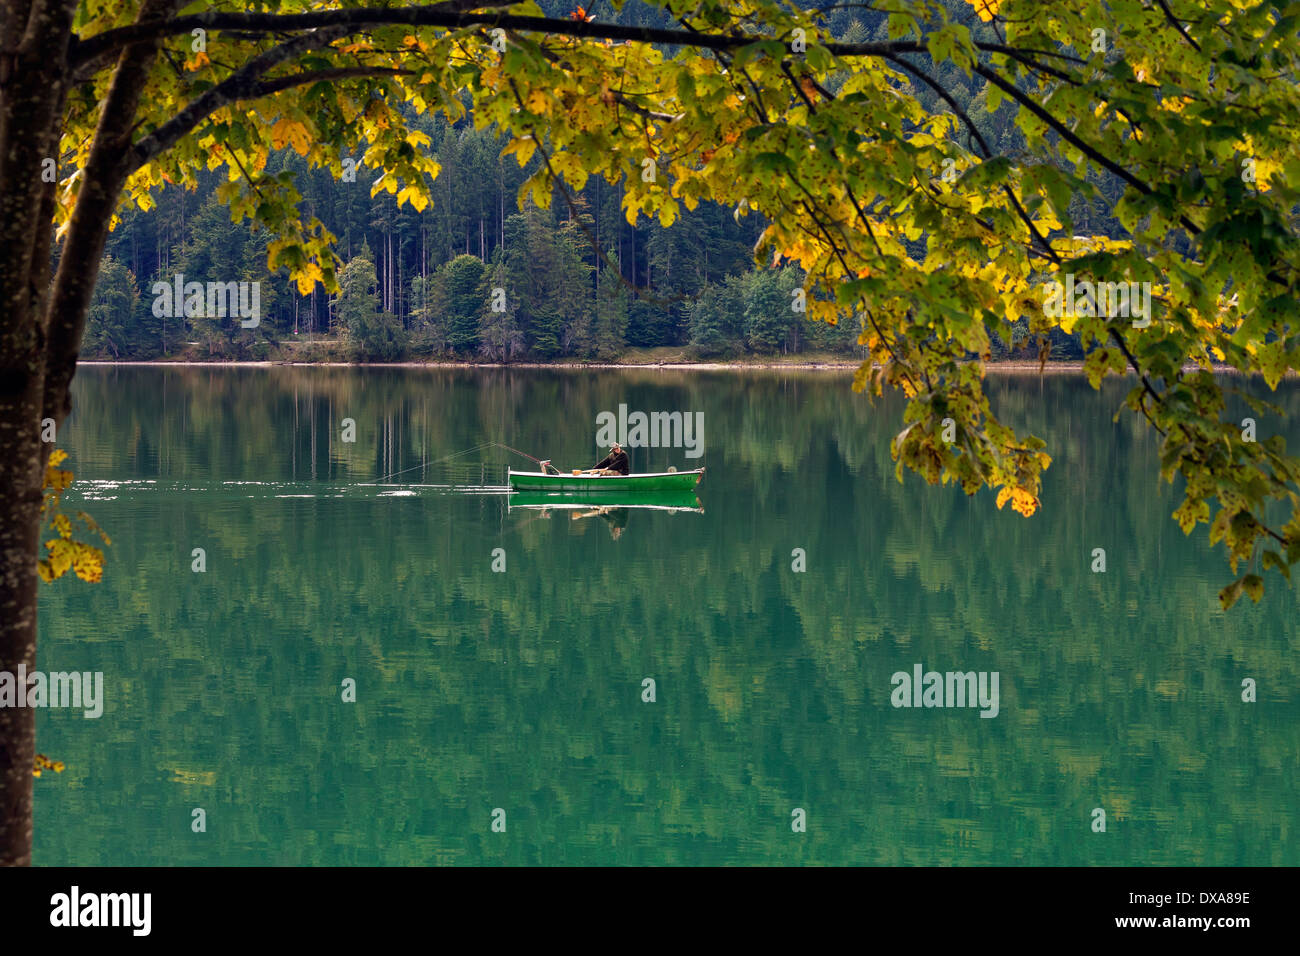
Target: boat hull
604	485
671	501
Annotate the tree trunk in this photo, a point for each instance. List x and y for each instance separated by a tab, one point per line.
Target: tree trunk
43	325
21	463
30	105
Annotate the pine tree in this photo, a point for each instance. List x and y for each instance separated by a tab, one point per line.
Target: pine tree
462	278
571	286
500	338
429	315
714	318
374	333
609	336
768	315
534	262
110	323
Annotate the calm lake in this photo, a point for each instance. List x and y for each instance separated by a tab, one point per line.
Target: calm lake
522	690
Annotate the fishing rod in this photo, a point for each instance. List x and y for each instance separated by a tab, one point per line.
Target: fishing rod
525	454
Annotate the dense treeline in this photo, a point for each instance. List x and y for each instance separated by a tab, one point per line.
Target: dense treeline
472	277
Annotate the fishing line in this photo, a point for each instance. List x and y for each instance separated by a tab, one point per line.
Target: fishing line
459	454
439	461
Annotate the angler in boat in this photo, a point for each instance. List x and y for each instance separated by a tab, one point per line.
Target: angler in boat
615	463
611	476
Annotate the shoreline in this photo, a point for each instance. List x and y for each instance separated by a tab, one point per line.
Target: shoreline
1013	366
1068	366
1072	365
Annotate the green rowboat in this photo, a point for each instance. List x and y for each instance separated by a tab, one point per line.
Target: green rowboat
669	501
605	484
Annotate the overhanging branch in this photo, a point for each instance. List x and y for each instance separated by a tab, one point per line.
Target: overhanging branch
245	83
455	15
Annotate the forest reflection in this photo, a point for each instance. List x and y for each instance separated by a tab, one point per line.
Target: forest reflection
524	688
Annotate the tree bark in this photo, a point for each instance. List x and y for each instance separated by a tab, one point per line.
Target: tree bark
34	41
21	459
41	328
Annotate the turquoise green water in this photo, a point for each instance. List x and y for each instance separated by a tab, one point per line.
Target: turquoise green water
522	689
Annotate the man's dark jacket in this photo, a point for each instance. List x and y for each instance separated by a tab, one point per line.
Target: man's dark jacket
615	461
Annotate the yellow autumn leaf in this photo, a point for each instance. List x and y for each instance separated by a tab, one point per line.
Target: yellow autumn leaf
377	113
1024	502
1047	223
413	195
57	480
570	167
522	148
87	562
986	10
308	276
61	556
42	762
537	101
1262	167
289	132
63	526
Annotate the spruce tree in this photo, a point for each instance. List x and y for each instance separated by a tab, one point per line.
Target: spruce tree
462	278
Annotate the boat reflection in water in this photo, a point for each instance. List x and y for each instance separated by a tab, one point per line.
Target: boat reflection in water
614	508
